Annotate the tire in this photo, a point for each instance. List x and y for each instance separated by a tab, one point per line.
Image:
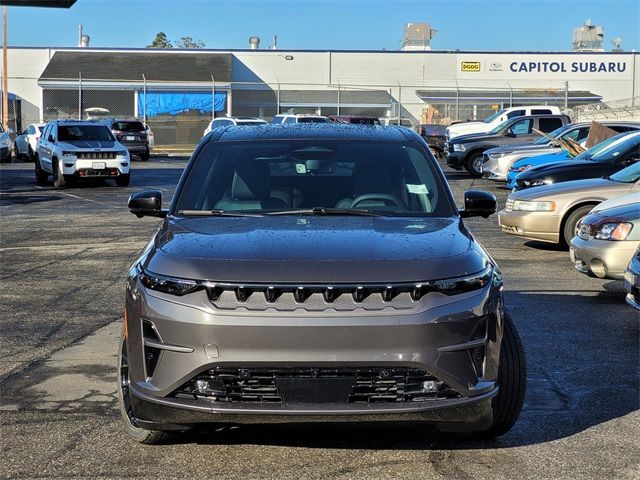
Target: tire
58	178
41	175
474	165
123	180
140	435
30	155
512	381
570	224
16	152
144	156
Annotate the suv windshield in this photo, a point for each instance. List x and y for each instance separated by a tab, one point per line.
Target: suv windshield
128	126
73	133
491	118
501	126
389	178
619	146
627	175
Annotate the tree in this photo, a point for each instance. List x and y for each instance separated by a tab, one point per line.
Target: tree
188	42
161	41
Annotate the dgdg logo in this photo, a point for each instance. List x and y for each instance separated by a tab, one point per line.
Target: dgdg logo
470	66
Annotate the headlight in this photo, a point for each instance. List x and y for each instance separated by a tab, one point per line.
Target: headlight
613	231
458	147
531	206
122	153
522	168
537	182
6	141
68	154
161	283
496	155
454	286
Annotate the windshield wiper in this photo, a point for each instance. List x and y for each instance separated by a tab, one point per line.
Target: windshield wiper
215	213
356	212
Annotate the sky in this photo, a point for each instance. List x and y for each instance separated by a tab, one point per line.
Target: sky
544	25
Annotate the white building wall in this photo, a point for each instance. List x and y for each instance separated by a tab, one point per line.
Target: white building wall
25	67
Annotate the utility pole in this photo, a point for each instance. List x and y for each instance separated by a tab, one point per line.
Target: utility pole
5	76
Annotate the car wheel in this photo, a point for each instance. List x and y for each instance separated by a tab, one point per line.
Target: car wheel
144	156
58	178
16	152
571	223
41	175
30	154
512	380
123	180
138	434
474	165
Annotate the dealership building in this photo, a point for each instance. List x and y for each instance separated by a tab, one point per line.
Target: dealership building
177	91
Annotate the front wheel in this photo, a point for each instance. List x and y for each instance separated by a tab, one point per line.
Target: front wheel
58	177
138	434
571	224
123	180
512	380
41	175
144	156
474	165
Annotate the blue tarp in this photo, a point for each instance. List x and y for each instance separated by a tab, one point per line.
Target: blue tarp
172	103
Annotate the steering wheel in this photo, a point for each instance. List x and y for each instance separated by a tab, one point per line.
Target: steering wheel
377	196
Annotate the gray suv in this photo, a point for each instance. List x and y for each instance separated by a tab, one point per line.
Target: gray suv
314	273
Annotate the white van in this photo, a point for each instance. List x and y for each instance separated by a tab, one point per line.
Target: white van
497	118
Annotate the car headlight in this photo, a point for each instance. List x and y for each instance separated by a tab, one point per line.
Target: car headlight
454	286
496	155
613	231
6	141
68	154
458	147
521	168
537	182
170	285
122	153
532	206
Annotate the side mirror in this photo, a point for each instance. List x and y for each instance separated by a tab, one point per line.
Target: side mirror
478	204
146	204
509	134
51	139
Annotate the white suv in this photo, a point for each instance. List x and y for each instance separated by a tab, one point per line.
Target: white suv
299	118
227	121
72	150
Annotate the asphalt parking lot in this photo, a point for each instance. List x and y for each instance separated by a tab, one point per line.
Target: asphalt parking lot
63	259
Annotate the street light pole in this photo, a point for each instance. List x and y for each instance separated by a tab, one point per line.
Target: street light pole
5	76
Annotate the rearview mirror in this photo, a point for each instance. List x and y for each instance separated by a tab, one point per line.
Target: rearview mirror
478	204
147	204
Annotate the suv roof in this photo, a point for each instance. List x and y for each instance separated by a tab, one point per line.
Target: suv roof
346	131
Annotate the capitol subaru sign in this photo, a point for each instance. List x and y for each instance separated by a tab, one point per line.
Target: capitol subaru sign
566	67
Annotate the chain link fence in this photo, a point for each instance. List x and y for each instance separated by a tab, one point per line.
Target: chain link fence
624	109
178	113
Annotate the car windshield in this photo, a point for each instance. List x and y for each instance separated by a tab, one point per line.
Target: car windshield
620	146
313	120
128	126
268	176
491	118
73	133
555	134
250	122
627	175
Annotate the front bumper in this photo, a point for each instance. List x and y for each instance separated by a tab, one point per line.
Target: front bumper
495	168
439	336
632	284
456	160
82	168
534	225
602	258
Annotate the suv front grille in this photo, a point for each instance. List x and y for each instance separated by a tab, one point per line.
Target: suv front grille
316	385
96	155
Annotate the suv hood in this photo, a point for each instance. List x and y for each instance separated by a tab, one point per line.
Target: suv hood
91	144
291	249
475	137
